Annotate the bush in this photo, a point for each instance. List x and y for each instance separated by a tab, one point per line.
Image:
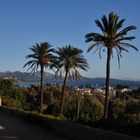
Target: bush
117	110
10	102
53	108
125	111
91	109
133	111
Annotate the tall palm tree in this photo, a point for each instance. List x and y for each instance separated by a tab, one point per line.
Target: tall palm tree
69	60
40	58
112	37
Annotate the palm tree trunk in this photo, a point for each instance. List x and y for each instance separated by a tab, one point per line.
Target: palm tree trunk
41	89
78	103
109	51
63	93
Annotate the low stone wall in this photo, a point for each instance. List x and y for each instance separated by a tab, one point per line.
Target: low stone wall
68	129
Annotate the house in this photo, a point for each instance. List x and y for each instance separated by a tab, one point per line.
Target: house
84	91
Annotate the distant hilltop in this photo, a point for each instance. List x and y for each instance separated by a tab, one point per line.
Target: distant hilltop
25	76
30	77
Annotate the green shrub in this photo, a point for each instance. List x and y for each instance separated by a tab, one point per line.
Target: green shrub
10	102
53	108
117	110
133	111
91	109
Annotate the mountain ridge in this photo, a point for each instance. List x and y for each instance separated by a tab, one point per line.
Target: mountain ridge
30	77
26	76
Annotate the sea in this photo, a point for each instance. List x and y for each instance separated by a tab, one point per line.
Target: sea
85	83
73	83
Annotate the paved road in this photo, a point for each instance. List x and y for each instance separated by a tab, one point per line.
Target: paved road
14	128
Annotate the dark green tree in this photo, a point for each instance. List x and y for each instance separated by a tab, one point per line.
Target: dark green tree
69	60
112	37
41	57
6	87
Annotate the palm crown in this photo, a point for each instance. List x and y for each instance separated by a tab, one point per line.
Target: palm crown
70	59
41	56
112	36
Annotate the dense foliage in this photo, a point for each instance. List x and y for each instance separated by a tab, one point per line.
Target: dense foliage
124	110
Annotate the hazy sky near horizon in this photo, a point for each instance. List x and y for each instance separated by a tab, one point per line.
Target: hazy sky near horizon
64	22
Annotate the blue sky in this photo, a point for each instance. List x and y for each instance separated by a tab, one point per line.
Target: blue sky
64	22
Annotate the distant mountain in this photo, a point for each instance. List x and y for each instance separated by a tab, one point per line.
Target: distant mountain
29	77
114	82
26	76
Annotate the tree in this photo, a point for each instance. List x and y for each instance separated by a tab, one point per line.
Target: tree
112	37
6	87
41	56
91	109
69	59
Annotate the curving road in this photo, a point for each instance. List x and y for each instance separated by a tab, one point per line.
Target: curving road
14	128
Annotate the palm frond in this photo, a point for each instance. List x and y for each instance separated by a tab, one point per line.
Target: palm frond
118	56
92	46
100	49
129	45
119	24
125	30
99	24
122	49
125	38
105	23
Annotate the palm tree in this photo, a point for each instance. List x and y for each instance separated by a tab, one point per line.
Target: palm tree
69	60
40	58
112	37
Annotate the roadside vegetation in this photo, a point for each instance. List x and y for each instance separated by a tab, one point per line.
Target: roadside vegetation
124	113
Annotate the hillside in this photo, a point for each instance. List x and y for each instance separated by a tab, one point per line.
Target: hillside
26	76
